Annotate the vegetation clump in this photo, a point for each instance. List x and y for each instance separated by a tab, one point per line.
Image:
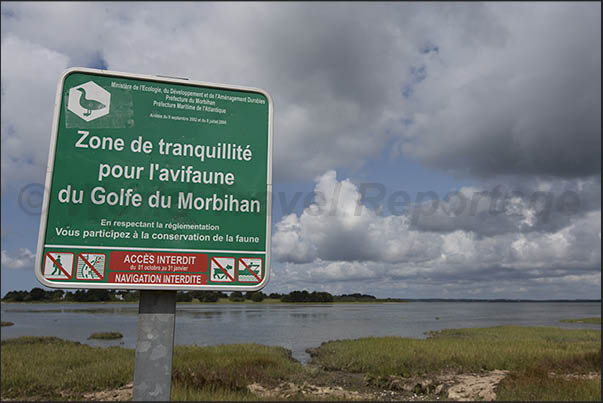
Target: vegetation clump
305	296
236	296
208	296
595	320
106	335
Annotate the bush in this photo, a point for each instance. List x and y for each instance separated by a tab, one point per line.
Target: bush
183	296
131	296
236	296
305	296
206	296
257	296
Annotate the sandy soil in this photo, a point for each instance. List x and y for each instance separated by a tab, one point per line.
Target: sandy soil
123	393
454	387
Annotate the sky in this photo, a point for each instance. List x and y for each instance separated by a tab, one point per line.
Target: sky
421	150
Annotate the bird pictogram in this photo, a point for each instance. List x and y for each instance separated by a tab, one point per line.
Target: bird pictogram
89	104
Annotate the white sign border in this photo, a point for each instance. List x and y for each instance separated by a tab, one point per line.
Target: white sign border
48	185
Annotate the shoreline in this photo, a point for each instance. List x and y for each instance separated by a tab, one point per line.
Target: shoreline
226	301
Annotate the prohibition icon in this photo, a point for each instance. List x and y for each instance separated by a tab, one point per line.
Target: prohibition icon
90	266
249	270
58	265
222	269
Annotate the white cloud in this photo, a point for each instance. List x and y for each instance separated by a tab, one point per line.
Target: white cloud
339	239
29	78
21	258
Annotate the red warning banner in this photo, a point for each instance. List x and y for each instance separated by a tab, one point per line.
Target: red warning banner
158	262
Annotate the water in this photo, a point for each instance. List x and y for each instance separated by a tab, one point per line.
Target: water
293	326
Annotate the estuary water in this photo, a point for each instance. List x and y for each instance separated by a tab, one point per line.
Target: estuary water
293	326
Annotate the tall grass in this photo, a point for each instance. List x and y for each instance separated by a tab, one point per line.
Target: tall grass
465	350
47	368
224	371
50	368
537	384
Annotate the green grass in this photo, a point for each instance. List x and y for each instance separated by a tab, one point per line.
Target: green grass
3	323
463	350
223	372
47	368
106	335
595	320
41	368
538	385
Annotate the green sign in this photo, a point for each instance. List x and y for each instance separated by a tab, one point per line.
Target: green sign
156	183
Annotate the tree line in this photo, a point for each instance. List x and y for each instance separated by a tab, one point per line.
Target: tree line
102	295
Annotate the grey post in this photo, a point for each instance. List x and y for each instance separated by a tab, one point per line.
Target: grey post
154	346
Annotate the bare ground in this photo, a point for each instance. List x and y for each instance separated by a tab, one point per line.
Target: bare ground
459	387
454	387
119	394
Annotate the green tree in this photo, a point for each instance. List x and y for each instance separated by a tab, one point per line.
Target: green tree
236	296
258	296
37	294
183	296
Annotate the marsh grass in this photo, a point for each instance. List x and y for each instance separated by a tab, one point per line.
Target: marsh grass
47	368
232	367
40	368
537	384
595	320
466	350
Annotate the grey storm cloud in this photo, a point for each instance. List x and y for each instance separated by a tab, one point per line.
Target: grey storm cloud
482	89
515	206
530	105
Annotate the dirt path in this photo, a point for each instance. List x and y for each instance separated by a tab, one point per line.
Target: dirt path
119	394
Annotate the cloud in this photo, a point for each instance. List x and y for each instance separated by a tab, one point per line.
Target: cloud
28	95
528	105
21	258
479	88
526	206
337	238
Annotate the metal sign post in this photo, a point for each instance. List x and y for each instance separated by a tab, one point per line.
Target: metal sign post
154	346
156	183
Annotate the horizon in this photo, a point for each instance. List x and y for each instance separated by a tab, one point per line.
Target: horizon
334	295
